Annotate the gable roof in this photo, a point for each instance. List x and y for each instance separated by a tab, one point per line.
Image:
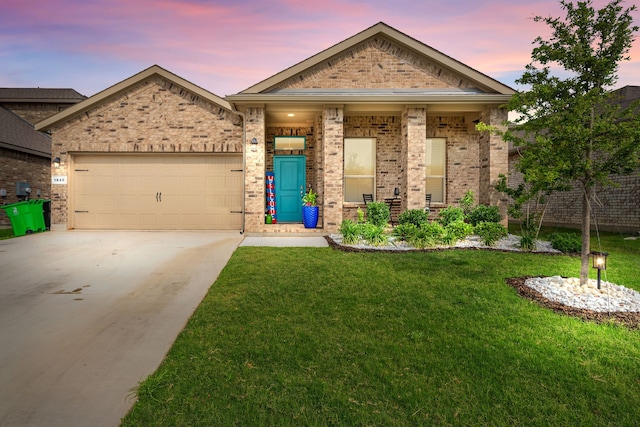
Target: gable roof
40	95
124	85
19	135
483	81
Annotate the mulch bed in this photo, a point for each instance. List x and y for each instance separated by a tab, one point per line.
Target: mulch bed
630	320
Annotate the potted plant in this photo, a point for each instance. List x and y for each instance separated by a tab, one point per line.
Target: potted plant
310	209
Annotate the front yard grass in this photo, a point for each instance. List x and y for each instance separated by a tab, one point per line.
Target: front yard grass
316	336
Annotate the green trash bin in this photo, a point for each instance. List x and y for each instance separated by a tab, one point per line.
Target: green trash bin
26	217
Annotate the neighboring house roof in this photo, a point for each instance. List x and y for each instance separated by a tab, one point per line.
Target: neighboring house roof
125	85
486	84
40	95
19	135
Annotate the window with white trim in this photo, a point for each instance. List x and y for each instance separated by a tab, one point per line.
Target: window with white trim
436	169
359	168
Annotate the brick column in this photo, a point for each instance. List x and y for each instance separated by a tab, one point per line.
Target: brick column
254	186
494	160
414	135
333	154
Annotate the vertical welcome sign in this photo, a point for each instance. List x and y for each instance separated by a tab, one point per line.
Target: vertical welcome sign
271	196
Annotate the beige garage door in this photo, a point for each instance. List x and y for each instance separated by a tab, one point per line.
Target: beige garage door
156	192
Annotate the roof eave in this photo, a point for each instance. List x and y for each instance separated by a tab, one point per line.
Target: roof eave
251	98
124	85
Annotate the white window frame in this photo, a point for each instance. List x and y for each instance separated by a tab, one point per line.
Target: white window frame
344	169
428	161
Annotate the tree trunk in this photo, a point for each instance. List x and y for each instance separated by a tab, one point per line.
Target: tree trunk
586	235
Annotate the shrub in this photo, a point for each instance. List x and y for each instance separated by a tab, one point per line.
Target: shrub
482	213
413	216
404	231
450	214
428	234
527	242
378	213
350	232
566	242
374	234
491	232
467	202
458	230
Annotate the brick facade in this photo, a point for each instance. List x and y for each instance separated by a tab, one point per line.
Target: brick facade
616	208
36	112
378	63
350	93
16	167
156	116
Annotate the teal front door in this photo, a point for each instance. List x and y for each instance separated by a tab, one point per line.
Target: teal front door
291	177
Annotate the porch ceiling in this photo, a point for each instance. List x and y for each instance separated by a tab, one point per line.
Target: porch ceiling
294	114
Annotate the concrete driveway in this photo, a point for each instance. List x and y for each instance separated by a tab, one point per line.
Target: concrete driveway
84	316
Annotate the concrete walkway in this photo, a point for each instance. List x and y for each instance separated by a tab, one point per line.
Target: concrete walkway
84	316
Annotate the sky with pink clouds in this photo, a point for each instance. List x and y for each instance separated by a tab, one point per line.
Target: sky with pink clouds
226	46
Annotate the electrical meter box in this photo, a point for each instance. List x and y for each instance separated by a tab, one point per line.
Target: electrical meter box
23	189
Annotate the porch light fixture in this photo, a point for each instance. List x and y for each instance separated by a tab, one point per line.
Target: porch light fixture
396	192
56	162
599	262
254	144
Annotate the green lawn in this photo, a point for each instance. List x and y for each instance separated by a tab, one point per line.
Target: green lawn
316	336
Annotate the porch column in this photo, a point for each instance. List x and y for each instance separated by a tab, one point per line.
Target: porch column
254	185
414	135
333	154
494	160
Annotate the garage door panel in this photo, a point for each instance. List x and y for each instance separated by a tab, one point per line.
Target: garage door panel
157	192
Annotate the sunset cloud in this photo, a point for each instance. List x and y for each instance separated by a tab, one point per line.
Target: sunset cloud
227	46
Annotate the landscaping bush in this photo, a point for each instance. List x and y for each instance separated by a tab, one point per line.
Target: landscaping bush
566	242
413	216
378	213
374	234
428	234
458	230
467	202
350	232
491	232
450	214
404	231
482	213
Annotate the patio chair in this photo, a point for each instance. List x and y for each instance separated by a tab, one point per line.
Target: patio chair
367	198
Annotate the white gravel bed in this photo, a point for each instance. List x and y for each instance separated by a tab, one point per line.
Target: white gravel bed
567	291
509	243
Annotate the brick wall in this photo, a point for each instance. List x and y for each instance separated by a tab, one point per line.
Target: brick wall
155	116
22	167
386	131
376	63
333	145
36	112
616	208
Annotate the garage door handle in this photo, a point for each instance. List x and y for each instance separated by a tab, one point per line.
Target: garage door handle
156	197
236	212
160	197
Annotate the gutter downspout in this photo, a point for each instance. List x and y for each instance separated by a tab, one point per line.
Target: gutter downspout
244	162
